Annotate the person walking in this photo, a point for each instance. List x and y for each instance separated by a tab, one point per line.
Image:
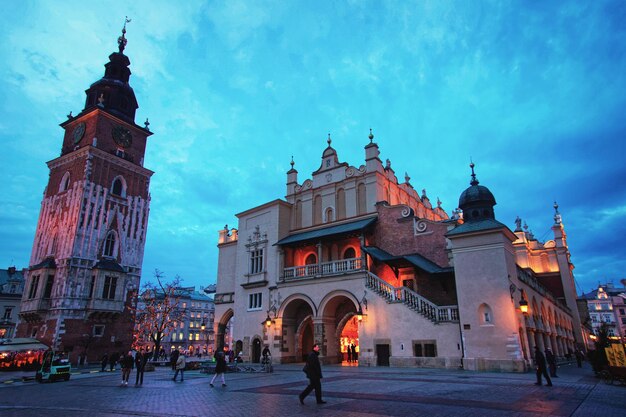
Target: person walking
551	360
349	350
220	368
313	371
180	367
140	363
579	358
127	366
174	358
104	361
540	363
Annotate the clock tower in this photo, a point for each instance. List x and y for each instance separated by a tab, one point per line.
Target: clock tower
86	259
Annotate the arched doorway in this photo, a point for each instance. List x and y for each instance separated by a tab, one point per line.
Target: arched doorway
256	350
349	340
297	315
340	325
223	336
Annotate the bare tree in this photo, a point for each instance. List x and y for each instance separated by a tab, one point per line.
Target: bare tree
158	310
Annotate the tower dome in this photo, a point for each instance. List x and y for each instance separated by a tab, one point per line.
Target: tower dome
476	201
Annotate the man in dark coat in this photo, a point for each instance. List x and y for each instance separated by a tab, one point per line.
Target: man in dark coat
540	363
551	360
313	371
174	358
140	363
104	361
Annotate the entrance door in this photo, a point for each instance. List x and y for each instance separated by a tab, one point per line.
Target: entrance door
256	351
382	355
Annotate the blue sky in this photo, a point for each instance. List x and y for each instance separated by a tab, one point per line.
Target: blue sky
533	92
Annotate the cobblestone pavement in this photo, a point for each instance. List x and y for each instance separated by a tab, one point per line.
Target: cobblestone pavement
349	392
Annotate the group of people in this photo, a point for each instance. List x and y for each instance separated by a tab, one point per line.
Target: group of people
352	355
132	359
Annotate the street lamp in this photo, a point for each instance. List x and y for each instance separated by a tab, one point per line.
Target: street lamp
523	306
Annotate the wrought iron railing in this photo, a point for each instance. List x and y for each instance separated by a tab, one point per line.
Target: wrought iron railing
413	300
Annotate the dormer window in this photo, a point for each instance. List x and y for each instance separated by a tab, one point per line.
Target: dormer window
110	245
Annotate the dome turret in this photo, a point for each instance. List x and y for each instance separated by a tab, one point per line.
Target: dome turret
476	201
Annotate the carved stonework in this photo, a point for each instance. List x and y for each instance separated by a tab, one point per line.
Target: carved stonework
352	171
420	227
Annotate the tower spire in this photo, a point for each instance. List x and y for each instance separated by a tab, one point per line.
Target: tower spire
474	181
121	41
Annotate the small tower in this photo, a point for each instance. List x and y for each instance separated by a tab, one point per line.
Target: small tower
87	254
484	263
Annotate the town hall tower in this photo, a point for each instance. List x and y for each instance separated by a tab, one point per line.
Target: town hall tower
87	254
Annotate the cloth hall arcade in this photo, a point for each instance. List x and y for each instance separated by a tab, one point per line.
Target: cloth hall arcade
353	256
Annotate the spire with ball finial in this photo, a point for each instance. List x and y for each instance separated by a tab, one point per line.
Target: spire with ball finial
121	41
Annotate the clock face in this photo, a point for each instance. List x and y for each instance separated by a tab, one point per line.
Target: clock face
122	136
78	132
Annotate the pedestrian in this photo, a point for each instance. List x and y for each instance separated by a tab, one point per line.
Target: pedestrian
354	357
349	350
140	363
313	371
104	361
551	360
220	367
174	358
579	358
180	367
127	366
540	363
113	360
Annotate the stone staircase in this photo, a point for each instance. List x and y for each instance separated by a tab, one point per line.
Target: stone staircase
411	299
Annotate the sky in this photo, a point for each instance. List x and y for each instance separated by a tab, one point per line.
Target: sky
534	93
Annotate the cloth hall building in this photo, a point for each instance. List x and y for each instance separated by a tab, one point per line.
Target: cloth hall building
352	256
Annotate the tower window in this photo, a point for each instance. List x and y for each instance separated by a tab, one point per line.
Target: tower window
119	187
110	245
65	182
110	285
48	290
32	292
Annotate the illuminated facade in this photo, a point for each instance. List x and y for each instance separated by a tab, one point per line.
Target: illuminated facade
87	254
352	255
194	333
607	305
11	287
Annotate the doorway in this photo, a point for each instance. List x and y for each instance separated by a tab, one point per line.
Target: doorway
382	355
256	351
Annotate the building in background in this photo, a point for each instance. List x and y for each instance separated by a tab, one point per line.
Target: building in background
87	254
191	330
607	305
354	258
11	287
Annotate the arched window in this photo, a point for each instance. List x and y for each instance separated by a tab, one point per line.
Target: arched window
298	215
360	199
110	245
485	315
65	182
349	253
340	204
317	209
119	187
328	215
311	259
